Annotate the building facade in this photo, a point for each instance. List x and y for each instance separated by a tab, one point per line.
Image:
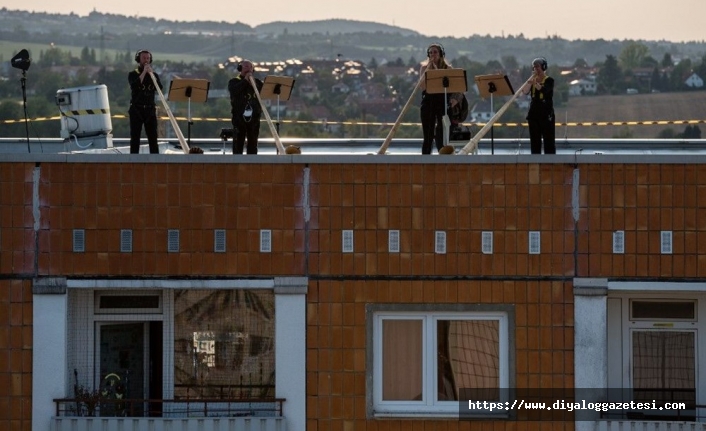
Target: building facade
346	292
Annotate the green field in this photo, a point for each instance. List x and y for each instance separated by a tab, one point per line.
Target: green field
9	49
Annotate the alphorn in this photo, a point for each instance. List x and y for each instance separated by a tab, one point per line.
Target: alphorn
175	125
273	130
396	126
473	143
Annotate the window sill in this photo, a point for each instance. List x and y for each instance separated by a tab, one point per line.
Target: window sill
437	415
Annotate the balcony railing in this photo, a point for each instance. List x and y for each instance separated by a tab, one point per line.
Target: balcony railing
182	408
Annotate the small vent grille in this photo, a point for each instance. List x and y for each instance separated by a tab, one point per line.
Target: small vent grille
440	242
126	240
173	240
348	241
265	241
79	240
393	241
486	242
219	241
619	242
666	241
534	242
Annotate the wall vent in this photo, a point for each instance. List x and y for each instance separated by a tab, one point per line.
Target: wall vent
79	240
219	241
535	242
619	242
173	240
265	241
440	242
393	241
126	240
486	242
666	241
348	241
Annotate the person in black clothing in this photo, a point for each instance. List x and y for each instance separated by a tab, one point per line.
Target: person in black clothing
540	117
143	111
433	106
245	109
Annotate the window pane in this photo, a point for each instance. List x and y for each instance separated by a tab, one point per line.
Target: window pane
224	344
664	366
468	355
673	310
402	360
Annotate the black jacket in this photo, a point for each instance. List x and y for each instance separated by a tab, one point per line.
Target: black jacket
542	102
142	93
242	94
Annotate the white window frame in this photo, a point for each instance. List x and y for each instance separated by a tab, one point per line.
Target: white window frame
620	362
429	406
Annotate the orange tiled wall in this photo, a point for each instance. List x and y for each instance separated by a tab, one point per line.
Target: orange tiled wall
336	340
416	199
15	355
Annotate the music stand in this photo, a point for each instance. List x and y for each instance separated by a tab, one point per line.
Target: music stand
188	90
490	85
277	87
445	81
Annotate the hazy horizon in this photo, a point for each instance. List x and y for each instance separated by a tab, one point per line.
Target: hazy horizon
600	19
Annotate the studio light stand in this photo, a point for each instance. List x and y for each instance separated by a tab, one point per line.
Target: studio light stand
22	61
446	81
188	90
493	85
276	88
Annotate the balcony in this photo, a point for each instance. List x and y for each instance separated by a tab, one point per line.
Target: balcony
173	415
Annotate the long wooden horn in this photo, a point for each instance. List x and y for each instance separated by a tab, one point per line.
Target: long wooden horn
396	126
473	143
175	125
273	130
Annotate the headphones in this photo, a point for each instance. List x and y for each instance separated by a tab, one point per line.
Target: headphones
239	68
541	61
439	46
137	55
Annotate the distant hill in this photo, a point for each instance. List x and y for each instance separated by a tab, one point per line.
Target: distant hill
331	26
212	42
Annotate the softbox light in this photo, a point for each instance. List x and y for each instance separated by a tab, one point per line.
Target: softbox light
21	60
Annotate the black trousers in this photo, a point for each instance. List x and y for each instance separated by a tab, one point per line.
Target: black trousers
542	130
143	115
243	130
432	128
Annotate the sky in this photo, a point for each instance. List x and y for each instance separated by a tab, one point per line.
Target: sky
675	20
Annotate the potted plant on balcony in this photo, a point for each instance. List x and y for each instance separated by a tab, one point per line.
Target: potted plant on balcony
87	400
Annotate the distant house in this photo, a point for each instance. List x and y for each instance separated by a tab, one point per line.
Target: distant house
308	89
340	88
402	72
579	87
694	81
481	111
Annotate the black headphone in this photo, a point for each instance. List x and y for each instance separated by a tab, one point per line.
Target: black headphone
239	68
137	55
439	46
541	61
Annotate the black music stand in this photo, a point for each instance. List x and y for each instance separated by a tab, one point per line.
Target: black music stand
277	87
188	90
493	85
445	81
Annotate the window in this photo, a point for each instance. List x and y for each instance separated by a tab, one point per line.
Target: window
653	350
423	359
